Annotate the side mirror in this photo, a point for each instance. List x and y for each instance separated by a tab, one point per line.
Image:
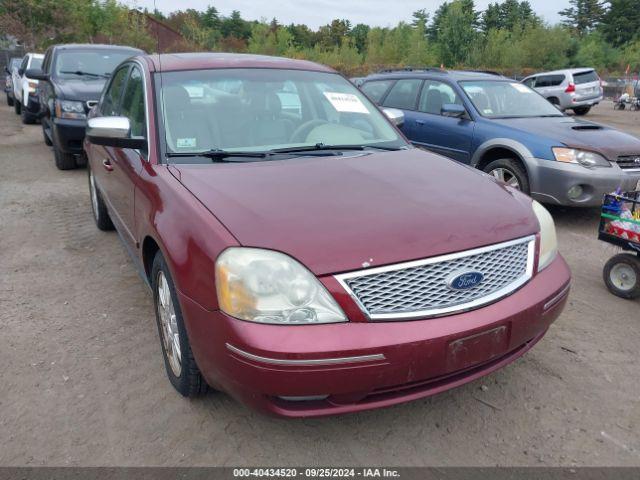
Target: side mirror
113	132
452	110
36	74
20	71
396	116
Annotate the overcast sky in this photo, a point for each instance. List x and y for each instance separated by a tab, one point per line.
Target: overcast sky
320	12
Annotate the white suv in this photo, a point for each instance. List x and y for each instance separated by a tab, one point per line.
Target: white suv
26	102
576	89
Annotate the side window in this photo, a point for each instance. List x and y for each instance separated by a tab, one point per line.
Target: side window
549	80
110	104
376	89
403	94
133	104
434	95
529	82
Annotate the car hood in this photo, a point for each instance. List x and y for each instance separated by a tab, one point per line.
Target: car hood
576	133
335	213
83	89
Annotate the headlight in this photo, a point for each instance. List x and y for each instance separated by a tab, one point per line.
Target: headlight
70	109
548	241
582	157
269	287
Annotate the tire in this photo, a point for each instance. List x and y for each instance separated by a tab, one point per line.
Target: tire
9	101
184	375
64	161
619	106
47	140
554	101
509	171
581	110
98	207
622	275
27	117
17	108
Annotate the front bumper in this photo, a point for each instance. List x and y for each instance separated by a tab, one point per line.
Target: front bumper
33	105
550	182
68	134
357	366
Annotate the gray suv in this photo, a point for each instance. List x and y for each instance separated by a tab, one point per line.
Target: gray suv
576	89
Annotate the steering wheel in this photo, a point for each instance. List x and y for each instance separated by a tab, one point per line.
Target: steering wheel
300	133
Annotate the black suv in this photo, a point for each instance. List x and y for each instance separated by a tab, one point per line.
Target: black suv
72	78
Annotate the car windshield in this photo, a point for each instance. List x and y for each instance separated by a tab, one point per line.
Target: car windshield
262	110
505	99
89	63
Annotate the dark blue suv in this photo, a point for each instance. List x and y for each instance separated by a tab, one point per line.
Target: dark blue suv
508	130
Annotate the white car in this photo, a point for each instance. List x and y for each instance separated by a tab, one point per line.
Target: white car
26	103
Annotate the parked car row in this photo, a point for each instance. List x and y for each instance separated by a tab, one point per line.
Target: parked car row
304	256
510	131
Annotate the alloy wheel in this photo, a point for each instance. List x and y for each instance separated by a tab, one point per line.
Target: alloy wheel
169	325
506	176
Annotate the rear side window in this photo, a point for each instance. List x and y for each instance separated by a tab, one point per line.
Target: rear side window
549	80
404	94
375	90
585	77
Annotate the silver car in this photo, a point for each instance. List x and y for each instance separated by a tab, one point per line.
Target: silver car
576	89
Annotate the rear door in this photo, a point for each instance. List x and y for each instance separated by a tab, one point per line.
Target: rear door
550	85
449	136
587	85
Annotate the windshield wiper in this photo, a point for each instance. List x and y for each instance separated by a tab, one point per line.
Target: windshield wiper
82	73
218	154
322	146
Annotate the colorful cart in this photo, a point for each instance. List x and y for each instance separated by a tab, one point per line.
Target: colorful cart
620	226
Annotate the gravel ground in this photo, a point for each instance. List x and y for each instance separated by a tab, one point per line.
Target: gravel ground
83	383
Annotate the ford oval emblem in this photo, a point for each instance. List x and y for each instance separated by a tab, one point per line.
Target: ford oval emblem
464	280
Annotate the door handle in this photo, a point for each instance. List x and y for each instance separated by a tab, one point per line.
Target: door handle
107	165
420	122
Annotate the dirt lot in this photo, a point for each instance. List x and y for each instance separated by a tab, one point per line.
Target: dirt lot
83	383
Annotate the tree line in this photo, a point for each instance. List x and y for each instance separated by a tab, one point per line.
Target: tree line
508	36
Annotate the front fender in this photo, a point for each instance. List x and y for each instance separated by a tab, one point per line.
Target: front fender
516	147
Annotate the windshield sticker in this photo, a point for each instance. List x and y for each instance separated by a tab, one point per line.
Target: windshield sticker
521	88
194	91
186	142
346	102
487	111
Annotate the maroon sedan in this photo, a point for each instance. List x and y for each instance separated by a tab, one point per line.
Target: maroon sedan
303	257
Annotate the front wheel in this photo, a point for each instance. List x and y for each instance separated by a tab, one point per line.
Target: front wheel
581	110
622	275
27	117
47	140
9	100
17	108
181	367
509	171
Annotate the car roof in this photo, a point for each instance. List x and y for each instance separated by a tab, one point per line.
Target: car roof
95	46
455	75
35	55
169	62
563	71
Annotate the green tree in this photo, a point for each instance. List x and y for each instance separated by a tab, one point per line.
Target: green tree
583	15
457	32
621	22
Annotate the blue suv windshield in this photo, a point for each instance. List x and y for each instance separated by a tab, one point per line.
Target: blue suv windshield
505	99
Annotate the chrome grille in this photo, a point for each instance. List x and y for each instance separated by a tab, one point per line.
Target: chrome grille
628	162
421	288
